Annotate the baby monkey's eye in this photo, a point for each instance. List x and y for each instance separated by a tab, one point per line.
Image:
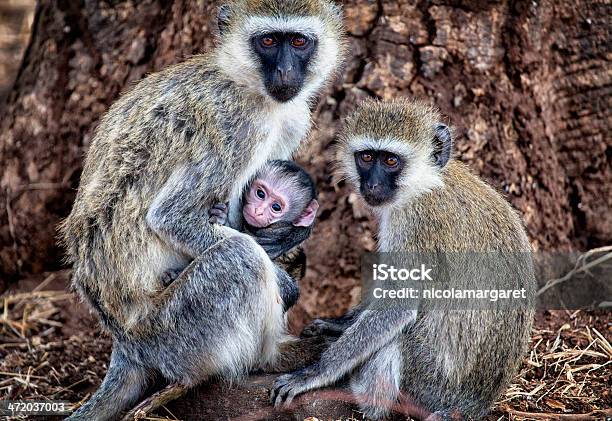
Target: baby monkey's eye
366	157
276	207
261	194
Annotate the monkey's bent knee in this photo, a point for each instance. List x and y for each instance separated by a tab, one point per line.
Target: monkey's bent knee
239	247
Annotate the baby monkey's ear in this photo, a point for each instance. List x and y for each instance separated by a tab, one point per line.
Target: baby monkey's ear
308	215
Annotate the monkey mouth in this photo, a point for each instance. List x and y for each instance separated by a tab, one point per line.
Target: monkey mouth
375	201
284	93
252	221
376	198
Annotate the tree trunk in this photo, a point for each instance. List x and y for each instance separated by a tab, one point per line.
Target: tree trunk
527	85
15	21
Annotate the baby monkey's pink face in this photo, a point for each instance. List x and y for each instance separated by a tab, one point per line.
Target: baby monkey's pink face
267	202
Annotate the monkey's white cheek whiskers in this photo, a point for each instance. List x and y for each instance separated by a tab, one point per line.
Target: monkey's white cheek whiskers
420	178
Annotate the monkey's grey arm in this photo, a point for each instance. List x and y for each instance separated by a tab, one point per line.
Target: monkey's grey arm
372	330
177	215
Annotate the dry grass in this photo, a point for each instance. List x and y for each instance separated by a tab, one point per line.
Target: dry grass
568	369
40	357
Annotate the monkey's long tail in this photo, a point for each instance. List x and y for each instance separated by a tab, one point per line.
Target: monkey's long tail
124	383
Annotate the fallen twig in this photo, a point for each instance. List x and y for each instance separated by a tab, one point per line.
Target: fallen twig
155	401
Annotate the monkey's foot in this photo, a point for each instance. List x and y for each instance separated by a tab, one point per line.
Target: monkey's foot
156	400
288	386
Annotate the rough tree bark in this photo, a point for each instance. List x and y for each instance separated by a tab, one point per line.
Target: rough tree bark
15	21
527	84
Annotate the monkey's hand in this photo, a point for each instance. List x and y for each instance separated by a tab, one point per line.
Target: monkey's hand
332	328
218	214
324	327
288	386
370	331
169	276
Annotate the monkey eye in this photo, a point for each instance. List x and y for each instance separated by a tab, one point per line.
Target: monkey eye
260	193
299	42
276	207
268	41
391	161
366	157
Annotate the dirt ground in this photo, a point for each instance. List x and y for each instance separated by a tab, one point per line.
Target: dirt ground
52	348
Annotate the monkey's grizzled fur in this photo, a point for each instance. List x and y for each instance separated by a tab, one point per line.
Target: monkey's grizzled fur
176	143
450	362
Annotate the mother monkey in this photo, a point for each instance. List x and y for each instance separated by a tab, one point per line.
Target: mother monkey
180	141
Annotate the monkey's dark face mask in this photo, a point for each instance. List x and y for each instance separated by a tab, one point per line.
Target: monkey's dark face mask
284	61
378	173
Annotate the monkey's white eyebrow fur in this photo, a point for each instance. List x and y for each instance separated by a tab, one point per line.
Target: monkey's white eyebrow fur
236	58
362	143
306	25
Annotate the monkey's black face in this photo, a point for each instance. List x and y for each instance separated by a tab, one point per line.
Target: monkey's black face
378	173
284	60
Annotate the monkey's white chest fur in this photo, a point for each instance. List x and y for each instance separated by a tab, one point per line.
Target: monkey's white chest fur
283	127
280	128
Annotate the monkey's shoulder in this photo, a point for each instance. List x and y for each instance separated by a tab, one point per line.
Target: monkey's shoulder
187	88
468	209
169	115
463	187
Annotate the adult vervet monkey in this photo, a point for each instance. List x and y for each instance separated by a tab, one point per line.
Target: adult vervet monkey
176	143
452	363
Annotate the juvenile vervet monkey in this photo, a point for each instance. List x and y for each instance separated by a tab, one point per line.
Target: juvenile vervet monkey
279	207
450	363
171	147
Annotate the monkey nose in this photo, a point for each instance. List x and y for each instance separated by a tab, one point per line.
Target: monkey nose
285	73
372	186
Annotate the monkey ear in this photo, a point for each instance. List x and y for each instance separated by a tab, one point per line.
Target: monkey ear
337	9
308	215
443	145
223	18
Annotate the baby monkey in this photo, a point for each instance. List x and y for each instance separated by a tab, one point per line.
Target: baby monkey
281	193
278	210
